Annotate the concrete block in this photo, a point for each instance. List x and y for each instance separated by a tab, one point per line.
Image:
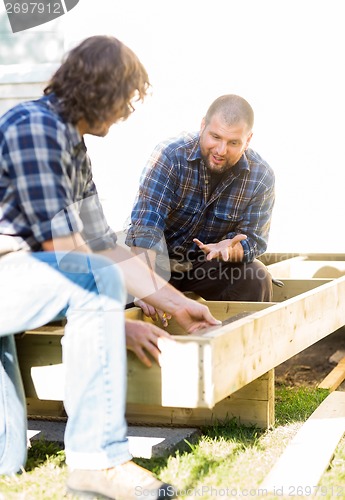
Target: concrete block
144	441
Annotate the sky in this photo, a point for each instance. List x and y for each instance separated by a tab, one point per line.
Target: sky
286	57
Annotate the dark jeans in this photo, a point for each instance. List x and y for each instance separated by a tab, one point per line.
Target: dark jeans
218	280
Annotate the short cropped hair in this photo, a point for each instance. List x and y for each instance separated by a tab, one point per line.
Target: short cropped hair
233	110
98	77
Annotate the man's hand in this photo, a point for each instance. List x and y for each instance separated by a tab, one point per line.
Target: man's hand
152	312
227	250
192	315
143	338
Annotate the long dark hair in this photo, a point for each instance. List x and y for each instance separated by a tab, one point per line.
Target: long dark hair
98	78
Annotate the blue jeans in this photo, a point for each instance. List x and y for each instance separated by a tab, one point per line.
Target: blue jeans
88	290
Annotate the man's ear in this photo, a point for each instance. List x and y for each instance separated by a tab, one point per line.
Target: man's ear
248	140
202	125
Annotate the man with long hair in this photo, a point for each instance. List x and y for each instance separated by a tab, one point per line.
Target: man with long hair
60	259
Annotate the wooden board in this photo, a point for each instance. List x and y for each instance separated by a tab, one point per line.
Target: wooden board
201	370
208	366
273	257
299	469
268	338
284	268
251	405
293	287
300	268
335	377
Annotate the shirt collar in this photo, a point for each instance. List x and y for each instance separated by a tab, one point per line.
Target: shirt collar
242	164
77	141
194	152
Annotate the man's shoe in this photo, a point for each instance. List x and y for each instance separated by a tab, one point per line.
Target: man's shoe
123	482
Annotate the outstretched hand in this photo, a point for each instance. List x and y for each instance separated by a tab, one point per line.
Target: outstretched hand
223	249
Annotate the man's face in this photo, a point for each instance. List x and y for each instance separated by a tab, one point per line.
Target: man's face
223	145
101	128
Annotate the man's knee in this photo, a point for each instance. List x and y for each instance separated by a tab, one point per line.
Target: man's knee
108	277
247	282
260	281
95	273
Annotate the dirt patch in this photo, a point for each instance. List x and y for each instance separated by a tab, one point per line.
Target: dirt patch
312	365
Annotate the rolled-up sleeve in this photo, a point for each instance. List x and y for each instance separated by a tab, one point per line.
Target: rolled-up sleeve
153	203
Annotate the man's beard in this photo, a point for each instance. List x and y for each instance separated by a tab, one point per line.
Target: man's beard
215	169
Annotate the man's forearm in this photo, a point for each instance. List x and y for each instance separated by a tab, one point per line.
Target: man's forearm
71	243
142	282
140	279
147	255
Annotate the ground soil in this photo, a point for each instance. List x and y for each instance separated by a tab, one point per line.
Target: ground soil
312	365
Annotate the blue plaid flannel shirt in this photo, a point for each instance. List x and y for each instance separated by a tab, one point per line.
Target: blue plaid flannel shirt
46	185
173	204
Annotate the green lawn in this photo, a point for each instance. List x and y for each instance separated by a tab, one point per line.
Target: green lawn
229	461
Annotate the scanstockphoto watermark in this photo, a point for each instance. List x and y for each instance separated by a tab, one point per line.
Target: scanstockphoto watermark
235	492
191	266
24	15
204	491
229	273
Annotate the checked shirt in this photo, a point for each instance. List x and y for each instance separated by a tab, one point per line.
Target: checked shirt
174	203
46	185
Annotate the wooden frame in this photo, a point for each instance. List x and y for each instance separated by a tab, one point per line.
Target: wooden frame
227	371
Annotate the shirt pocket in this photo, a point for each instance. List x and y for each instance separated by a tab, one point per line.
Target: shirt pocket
231	209
185	214
232	217
189	207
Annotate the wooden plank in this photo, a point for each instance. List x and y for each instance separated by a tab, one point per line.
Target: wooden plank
307	456
199	371
335	377
319	269
220	309
252	405
283	269
40	358
268	338
301	268
41	353
42	408
260	389
256	413
324	256
52	328
293	287
273	257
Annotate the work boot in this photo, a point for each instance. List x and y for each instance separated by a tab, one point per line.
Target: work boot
123	482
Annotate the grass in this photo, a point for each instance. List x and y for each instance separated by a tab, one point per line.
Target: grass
229	461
